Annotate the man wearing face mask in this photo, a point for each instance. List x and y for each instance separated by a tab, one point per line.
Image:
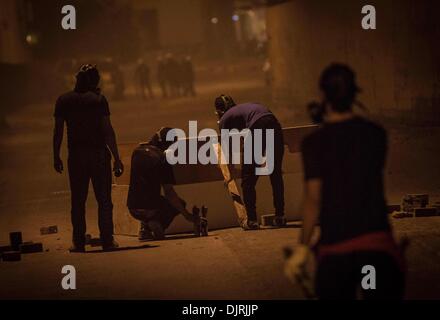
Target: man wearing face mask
343	189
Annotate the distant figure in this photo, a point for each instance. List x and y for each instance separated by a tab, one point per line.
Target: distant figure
180	77
162	76
172	74
118	82
188	77
150	172
267	70
91	138
344	191
142	75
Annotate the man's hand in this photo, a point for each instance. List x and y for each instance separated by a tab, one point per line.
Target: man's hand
295	267
118	168
58	165
299	268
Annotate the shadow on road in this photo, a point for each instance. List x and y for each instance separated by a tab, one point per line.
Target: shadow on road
145	246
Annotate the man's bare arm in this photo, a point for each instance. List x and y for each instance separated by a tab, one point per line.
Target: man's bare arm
110	137
311	207
175	201
110	140
58	133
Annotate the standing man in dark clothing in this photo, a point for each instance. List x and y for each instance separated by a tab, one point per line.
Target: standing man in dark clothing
150	172
90	137
343	170
254	116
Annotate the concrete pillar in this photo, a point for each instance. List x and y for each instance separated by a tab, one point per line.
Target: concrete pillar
397	64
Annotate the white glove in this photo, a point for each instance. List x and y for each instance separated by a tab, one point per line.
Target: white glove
296	264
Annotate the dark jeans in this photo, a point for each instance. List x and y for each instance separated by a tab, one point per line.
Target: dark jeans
164	213
340	276
85	165
249	179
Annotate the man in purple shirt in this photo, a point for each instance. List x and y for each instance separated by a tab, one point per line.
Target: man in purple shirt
254	116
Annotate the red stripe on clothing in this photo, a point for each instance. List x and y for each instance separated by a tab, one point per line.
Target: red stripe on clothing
382	241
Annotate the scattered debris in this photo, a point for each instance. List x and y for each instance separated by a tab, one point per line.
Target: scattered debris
17	247
31	247
5	248
393	208
93	242
416	205
16	239
11	256
412	201
401	215
425	212
48	230
267	220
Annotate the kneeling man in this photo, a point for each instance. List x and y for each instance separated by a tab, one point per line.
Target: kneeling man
150	172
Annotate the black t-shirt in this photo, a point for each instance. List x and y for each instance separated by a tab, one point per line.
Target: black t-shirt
149	170
243	116
349	159
83	113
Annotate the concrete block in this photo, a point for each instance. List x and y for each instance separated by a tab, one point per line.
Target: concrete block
11	256
425	212
5	248
31	247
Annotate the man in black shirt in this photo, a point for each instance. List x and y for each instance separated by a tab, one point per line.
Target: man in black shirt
343	170
150	172
90	136
254	116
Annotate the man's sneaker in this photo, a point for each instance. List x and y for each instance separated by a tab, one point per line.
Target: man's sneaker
111	246
145	233
279	222
156	229
77	249
250	225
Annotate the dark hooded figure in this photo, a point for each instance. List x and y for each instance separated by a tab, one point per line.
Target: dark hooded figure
91	143
344	163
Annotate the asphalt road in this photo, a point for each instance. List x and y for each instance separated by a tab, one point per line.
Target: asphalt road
230	264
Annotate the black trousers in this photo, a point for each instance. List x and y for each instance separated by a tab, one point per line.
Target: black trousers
340	277
249	178
95	165
164	213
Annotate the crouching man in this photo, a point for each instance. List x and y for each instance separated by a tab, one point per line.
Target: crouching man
150	172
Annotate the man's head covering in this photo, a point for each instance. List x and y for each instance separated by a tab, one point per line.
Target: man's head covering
159	139
87	78
222	104
338	83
